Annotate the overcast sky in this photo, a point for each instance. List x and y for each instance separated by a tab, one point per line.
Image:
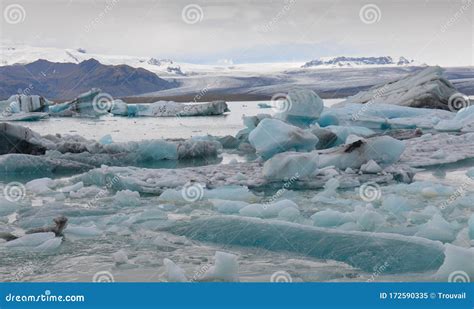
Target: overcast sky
431	31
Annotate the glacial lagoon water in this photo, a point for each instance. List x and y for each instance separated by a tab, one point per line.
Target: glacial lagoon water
125	238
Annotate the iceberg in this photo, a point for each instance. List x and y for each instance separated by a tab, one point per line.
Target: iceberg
301	107
457	266
463	121
56	153
225	268
362	250
264	105
383	116
273	136
383	150
38	242
270	210
95	103
21	103
219	181
342	132
174	273
24	117
287	165
169	109
19	139
425	88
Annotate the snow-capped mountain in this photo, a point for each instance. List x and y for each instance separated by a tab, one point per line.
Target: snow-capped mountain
23	54
354	62
56	80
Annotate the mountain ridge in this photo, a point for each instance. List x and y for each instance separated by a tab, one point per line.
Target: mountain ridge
66	80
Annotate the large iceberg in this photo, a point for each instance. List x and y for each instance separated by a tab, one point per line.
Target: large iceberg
362	250
299	107
18	139
287	165
425	88
54	153
169	109
22	103
96	103
273	136
383	150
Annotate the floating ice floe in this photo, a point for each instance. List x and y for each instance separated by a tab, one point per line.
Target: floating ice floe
273	136
457	265
359	249
21	103
218	181
425	88
169	109
225	268
96	103
287	165
55	153
301	107
383	116
174	273
38	242
383	150
463	121
269	210
424	150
